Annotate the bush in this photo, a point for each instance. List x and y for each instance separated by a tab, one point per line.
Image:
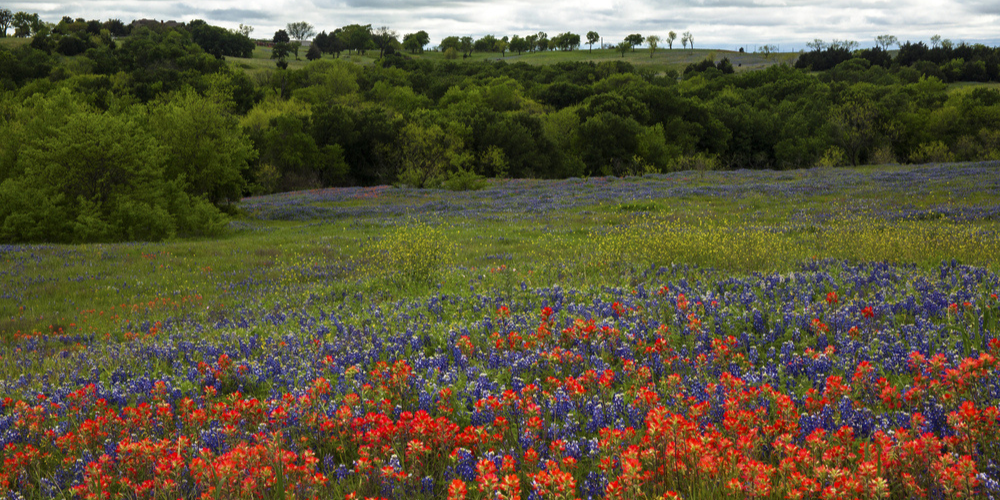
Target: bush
70	174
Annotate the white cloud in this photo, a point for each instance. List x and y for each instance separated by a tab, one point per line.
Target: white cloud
715	23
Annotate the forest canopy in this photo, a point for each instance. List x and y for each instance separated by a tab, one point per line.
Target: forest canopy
155	133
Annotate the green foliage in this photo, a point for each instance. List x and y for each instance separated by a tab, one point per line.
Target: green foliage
207	150
413	255
77	175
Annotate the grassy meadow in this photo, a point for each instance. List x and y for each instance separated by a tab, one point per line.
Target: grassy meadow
662	59
581	232
822	333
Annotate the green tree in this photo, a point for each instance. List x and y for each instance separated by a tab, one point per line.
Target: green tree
427	154
634	40
357	37
385	39
6	17
670	39
300	31
281	51
90	176
467	45
653	41
26	25
281	36
314	53
415	42
886	41
518	44
450	42
687	38
592	38
207	151
623	47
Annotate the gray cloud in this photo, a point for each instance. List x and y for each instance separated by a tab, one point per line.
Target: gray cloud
721	23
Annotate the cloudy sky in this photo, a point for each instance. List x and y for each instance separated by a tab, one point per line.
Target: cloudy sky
725	24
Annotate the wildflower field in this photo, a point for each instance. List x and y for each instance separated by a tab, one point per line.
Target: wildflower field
826	333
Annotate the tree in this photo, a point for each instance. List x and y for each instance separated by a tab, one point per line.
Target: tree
281	36
816	45
357	37
935	41
848	45
541	41
207	150
487	43
634	40
670	39
450	42
623	47
518	44
26	25
531	41
301	30
314	52
116	27
592	38
690	38
385	39
652	41
467	46
322	41
766	50
6	17
415	42
280	51
245	30
886	41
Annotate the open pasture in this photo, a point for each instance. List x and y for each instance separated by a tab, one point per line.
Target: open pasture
825	333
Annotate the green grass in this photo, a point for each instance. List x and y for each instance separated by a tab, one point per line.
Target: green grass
113	288
10	42
964	87
662	60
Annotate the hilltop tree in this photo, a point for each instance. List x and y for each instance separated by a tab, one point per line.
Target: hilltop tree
670	39
26	25
623	47
415	42
518	44
301	30
652	41
689	37
634	40
487	43
886	41
385	39
466	45
541	41
245	30
281	36
817	45
6	17
935	41
116	27
592	38
357	37
314	52
450	42
531	40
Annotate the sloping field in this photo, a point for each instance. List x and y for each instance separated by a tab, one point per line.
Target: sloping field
825	333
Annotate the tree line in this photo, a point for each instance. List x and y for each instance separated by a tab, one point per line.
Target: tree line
152	134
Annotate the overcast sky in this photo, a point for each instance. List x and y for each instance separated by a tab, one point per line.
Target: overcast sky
725	24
